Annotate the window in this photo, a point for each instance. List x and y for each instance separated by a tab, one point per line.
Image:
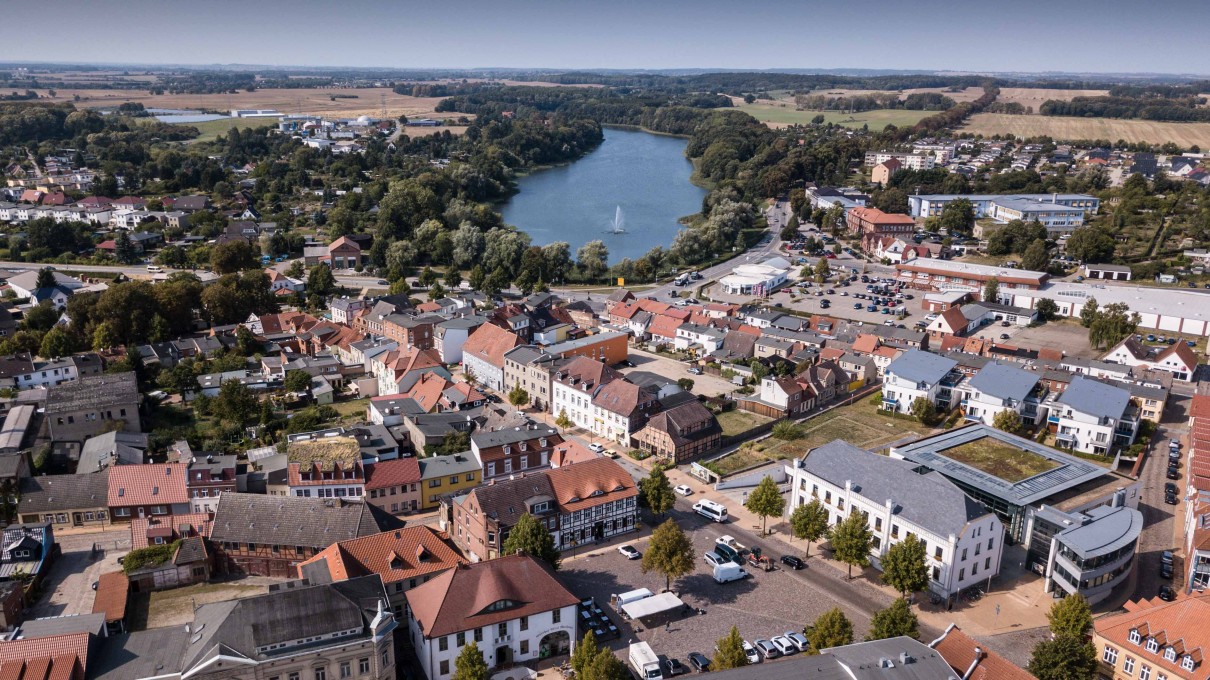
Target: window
877	524
1110	656
1134	637
292	676
346	669
524	623
556	616
453	479
525	648
502	629
1145	673
1187	663
321	674
1152	645
1170	654
961	574
443	643
937	552
462	639
445	666
363	666
1128	666
478	635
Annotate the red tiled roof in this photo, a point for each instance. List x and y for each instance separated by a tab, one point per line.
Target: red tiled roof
490	342
396	555
664	326
427	391
570	452
876	216
458	599
590	483
1183	620
343	241
168	527
390	473
43	657
1200	407
958	650
156	484
112	589
865	343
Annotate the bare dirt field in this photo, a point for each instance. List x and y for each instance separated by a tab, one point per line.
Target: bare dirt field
369	101
1072	128
1035	96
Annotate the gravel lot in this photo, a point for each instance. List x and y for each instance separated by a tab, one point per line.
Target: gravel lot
67	590
1068	335
645	362
769	603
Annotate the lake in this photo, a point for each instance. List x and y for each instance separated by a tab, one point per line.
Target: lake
645	175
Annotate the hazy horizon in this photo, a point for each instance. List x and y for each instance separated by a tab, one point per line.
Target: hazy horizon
1029	36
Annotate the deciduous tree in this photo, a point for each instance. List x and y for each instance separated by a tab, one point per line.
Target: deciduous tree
657	491
765	501
1070	616
584	653
904	566
896	620
470	664
730	652
991	290
809	522
517	396
851	539
1065	657
531	537
670	553
831	629
1008	421
297	381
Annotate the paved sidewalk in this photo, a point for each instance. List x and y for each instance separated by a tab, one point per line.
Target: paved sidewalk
1022	604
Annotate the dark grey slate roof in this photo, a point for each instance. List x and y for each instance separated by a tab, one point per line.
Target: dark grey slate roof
288	520
1105	530
864	660
485	440
59	493
145	654
929	500
290	614
63	625
1095	398
1004	381
921	367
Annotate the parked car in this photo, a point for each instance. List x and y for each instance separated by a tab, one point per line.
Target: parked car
630	552
799	640
1167	593
1171	499
673	667
793	562
1166	571
767	649
784	645
1166	557
694	370
750	652
683	489
714	559
596	447
1171	488
699	662
1173	473
1004	336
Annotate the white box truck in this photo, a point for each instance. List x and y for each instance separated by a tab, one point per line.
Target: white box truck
644	662
728	572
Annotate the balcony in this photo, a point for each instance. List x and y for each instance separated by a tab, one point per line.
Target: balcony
1053	419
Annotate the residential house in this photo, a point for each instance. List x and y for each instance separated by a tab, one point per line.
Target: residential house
999	387
403	559
680	433
573	385
826	380
884	171
1178	359
49	658
510	451
963	540
112	448
66	500
345	253
871	225
529	368
1154	639
513	608
918	374
92	404
209	477
451	335
398	370
619	409
394	485
263	535
483	355
411	330
151	490
779	397
323	467
972	659
607	346
26	550
445	475
1093	417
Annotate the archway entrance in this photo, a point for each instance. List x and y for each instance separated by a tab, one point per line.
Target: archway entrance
503	656
557	643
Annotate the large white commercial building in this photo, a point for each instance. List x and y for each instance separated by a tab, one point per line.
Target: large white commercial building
756	279
1173	310
985	205
963	541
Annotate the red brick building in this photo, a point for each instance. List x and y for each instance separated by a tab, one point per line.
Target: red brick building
871	224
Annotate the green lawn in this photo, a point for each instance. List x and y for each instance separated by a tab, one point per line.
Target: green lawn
994	457
786	114
860	424
355	409
734	422
212	129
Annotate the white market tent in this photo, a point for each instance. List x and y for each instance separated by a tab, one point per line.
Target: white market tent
650	606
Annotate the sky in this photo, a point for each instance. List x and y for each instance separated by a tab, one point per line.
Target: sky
1164	36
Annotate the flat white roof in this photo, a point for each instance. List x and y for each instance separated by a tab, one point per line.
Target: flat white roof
955	267
1186	303
650	606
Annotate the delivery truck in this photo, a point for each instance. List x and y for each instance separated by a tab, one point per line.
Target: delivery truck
645	663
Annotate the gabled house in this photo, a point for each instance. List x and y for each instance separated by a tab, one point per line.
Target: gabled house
680	433
483	355
1178	359
619	409
510	451
151	490
918	374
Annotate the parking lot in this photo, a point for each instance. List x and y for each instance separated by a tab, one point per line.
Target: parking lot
67	590
667	367
767	604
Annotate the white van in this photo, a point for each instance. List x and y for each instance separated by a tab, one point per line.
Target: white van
154	269
711	510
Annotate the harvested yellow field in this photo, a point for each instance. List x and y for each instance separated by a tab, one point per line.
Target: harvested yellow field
318	101
967	95
1036	96
1072	128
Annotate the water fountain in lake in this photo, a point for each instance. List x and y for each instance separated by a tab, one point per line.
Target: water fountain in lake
617	226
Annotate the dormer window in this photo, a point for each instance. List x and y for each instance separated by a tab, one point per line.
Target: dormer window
1152	645
1134	637
1170	654
500	605
1187	663
543	443
508	450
